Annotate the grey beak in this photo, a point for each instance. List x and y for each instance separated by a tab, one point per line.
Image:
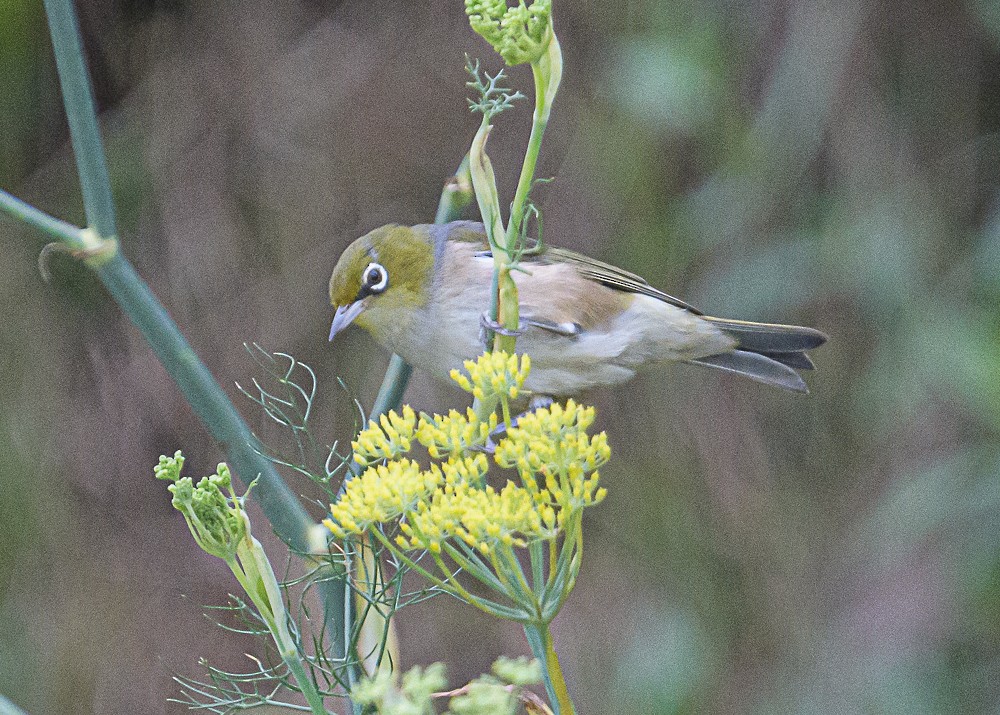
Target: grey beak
344	316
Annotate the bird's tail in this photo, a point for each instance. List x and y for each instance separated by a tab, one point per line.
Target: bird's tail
766	352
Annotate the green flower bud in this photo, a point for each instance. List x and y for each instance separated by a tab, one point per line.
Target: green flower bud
519	34
212	510
169	468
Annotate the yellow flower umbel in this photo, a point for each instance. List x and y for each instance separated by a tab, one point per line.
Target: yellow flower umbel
469	526
447	512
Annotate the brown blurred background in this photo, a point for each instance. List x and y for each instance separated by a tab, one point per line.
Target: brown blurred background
824	162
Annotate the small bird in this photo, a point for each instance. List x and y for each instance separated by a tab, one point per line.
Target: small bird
421	292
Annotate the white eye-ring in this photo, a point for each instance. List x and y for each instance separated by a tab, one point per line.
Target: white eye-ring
375	279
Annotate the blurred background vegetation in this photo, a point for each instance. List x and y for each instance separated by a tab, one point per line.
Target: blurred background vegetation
826	162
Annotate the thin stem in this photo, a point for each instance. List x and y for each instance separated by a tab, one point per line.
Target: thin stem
522	585
453	587
306	685
480	571
56	228
505	404
547	72
508	587
539	121
536	550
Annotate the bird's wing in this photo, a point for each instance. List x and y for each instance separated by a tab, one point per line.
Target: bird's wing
608	275
587	267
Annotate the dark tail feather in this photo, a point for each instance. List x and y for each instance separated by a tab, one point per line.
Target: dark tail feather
757	367
767	352
770	337
800	361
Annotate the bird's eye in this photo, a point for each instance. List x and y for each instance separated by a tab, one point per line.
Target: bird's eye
376	278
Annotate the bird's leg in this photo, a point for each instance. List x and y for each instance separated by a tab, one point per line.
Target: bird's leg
486	324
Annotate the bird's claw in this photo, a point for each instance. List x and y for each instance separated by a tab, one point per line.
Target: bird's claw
488	324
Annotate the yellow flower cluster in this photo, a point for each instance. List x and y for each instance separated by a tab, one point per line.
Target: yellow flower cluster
481	518
550	449
551	446
453	435
389	438
382	493
493	375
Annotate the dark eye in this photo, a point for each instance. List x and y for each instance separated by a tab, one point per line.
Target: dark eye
375	279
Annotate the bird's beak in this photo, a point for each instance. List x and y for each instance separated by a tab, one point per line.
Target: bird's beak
345	315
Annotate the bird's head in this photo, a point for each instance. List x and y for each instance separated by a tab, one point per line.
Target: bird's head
381	279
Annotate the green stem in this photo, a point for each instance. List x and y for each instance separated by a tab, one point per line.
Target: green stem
547	72
507	419
82	117
57	228
390	395
306	685
250	572
452	586
514	565
540	640
286	514
536	550
539	121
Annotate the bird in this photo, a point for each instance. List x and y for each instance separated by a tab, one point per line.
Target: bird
422	292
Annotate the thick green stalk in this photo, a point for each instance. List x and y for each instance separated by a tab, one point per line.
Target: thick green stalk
82	117
306	685
540	640
286	514
390	395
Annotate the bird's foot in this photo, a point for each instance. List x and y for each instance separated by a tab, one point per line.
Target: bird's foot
488	324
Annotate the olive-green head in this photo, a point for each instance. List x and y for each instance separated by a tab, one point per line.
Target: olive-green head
381	279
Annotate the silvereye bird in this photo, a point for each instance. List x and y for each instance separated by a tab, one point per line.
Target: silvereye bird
421	291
